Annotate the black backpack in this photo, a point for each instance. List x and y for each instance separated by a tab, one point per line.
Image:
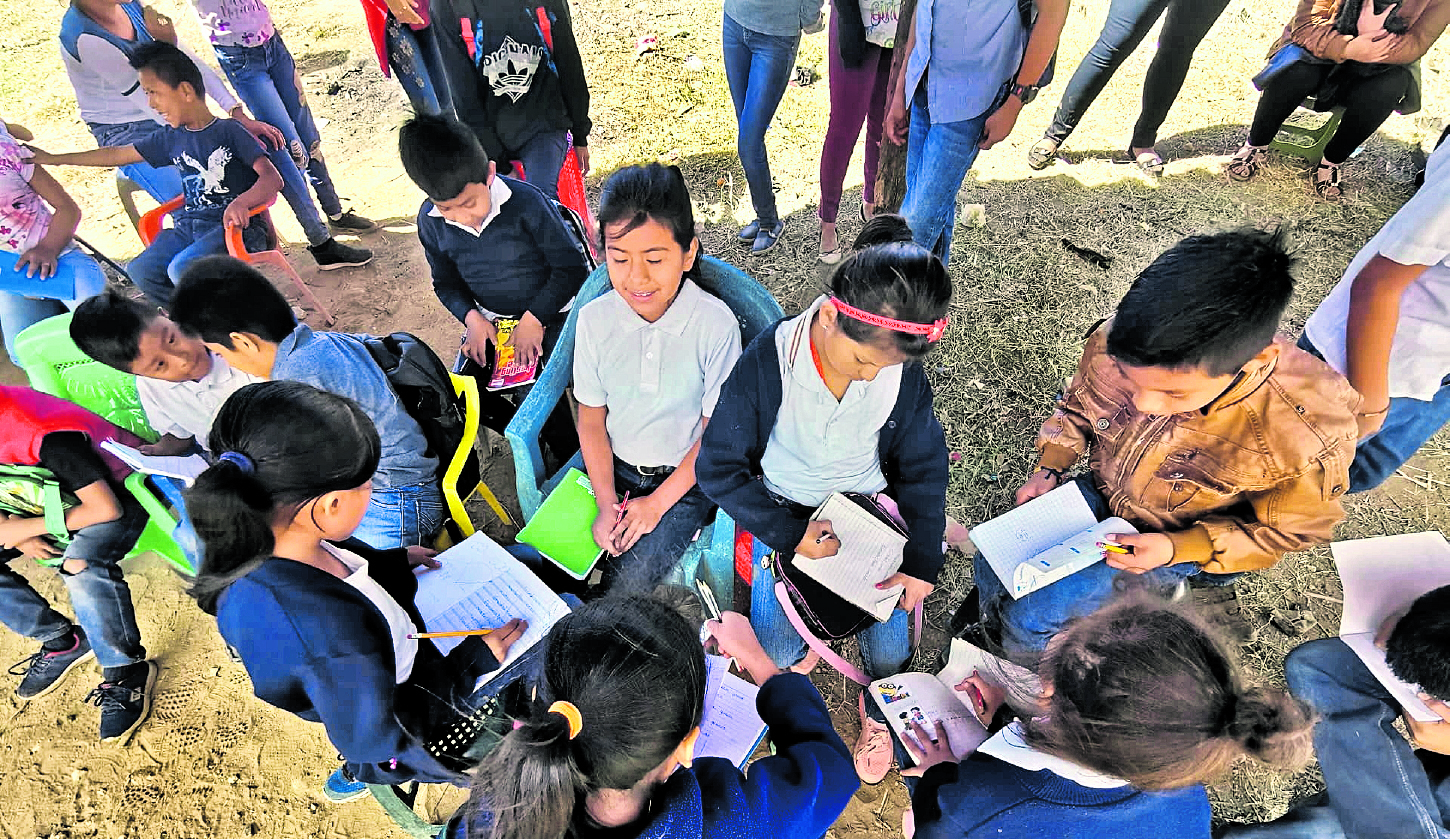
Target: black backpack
422	384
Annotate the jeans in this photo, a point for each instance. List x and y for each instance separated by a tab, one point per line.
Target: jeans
158	269
417	64
266	79
1128	21
77	275
938	156
758	69
543	156
1409	423
1368	101
163	183
644	566
400	517
99	594
858	94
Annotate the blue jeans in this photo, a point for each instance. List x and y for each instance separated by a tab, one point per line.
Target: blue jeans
543	157
158	269
938	156
1409	423
758	69
417	64
161	183
77	276
266	79
399	517
99	594
644	566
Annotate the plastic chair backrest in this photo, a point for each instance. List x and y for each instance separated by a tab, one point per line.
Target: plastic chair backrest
155	219
57	366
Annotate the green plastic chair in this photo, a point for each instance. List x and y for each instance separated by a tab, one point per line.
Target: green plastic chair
1309	129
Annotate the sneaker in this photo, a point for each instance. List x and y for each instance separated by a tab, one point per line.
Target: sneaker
334	254
767	237
42	672
341	787
747	234
125	704
350	222
874	752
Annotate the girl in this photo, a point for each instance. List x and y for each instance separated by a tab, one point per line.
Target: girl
649	361
607	748
826	402
1141	704
323	626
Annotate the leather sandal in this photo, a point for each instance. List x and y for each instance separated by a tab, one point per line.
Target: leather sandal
1247	162
1326	181
1042	153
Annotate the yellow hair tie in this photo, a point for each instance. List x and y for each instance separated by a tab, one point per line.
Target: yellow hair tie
570	713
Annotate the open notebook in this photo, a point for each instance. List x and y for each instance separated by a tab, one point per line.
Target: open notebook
184	469
870	552
730	727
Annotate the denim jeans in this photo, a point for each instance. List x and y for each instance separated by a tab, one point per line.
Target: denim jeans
543	156
78	275
158	269
161	183
644	566
417	64
400	517
758	69
1408	425
938	156
266	79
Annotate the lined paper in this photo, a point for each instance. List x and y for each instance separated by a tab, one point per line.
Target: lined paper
730	727
870	552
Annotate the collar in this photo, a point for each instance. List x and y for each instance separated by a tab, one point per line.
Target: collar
675	318
799	348
1010	746
1245	383
498	193
285	347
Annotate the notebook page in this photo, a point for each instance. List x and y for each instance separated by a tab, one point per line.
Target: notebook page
870	552
184	469
730	727
1023	532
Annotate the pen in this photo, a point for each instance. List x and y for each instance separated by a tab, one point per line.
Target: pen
457	634
824	536
1116	548
623	505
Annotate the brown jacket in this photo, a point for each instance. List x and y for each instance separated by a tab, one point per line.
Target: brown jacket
1256	473
1313	29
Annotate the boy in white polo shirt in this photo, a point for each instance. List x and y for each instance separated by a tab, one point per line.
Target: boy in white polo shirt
649	360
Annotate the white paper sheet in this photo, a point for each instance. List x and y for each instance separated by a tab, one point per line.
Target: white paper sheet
730	728
184	469
1023	532
870	552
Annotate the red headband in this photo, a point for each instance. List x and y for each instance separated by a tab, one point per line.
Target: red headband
932	331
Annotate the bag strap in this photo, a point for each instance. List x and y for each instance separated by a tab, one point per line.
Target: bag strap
54	509
821	648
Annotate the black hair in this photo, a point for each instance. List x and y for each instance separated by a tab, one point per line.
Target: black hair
301	443
603	658
441	155
1211	302
219	295
896	278
108	328
1418	650
652	192
880	229
169	64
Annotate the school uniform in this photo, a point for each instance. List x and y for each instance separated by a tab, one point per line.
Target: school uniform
186	409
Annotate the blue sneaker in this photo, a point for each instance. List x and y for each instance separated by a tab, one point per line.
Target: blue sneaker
747	234
342	787
767	237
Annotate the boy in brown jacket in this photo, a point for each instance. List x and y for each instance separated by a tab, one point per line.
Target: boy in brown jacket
1225	446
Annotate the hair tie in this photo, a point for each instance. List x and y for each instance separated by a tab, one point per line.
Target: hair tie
238	460
570	713
933	331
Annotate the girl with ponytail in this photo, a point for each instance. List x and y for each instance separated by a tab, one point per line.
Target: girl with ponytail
321	622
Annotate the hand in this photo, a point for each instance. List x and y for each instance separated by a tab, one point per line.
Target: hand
406	11
236	215
916	590
1370	420
1041	482
480	333
819	542
1370	23
499	640
640	517
12	533
40	259
266	134
1000	123
38	547
582	152
1373	49
984	697
1382	637
39	155
167	446
1150	550
527	339
923	752
898	120
734	636
424	558
603	531
1434	736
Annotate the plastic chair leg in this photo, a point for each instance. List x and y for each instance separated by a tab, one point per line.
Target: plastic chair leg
401	812
492	501
126	190
279	261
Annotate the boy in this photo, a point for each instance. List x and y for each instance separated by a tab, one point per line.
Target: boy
225	172
181	383
37	429
1225	447
246	322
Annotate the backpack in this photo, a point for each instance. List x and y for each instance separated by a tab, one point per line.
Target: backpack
32	492
422	384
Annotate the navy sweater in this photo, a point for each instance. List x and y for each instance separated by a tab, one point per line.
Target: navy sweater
524	261
912	448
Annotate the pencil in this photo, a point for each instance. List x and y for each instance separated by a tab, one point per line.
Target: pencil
457	634
1115	548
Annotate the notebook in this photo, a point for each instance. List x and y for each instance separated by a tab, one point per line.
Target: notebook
870	552
730	727
1044	540
1382	577
507	370
184	469
562	527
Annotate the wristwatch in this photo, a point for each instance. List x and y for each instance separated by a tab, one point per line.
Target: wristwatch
1025	92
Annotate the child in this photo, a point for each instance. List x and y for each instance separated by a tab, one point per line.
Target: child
323	625
1386	326
608	746
181	383
245	321
1142	706
36	250
649	359
37	429
235	178
1225	447
827	402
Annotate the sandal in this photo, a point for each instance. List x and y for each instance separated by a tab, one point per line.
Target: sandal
1326	181
1149	162
1042	153
1247	162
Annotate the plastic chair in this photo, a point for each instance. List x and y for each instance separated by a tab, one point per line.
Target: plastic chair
464	475
151	224
1308	137
756	310
126	190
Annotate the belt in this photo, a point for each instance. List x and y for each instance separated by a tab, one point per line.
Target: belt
645	471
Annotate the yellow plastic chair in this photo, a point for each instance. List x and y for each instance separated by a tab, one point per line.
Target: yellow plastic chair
464	475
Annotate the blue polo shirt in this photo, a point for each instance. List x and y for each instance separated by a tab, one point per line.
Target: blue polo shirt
965	51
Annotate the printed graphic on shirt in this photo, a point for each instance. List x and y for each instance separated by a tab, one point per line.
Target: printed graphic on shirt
215	163
245	23
510	68
23	215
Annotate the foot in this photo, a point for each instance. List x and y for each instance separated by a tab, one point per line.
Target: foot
42	672
873	750
1148	160
807	664
747	234
341	787
767	237
126	702
1247	162
868	210
1326	181
334	254
349	222
831	251
1042	153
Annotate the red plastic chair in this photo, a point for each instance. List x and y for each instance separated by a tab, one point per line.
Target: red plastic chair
151	223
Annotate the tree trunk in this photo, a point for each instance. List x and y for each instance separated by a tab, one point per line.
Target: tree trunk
891	171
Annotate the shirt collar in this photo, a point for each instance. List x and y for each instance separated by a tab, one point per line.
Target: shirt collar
498	193
802	368
1010	745
675	318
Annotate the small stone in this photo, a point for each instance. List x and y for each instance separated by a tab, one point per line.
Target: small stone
974	215
1293	622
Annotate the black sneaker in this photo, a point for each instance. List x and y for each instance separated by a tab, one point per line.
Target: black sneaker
350	222
334	254
125	704
43	671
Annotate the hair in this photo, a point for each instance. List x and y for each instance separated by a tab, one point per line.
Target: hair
169	64
108	328
894	277
652	192
302	443
441	155
219	295
1418	650
1211	302
602	658
1144	691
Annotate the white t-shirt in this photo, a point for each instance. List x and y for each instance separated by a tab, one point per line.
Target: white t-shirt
187	409
880	19
405	649
1419	234
234	23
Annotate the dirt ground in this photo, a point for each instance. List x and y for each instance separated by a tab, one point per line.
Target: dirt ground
214	761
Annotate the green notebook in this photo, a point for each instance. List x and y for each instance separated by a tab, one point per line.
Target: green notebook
561	529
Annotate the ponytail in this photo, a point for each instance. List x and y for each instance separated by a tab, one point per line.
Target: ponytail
1272	727
232	515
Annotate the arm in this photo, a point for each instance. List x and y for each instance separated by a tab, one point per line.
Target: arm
1426	30
448	283
261	193
1041	44
19	132
850	32
898	112
1374	313
107	156
42	258
1064	437
567	269
599	463
572	84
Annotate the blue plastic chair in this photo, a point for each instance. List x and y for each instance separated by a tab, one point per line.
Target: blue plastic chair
756	310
